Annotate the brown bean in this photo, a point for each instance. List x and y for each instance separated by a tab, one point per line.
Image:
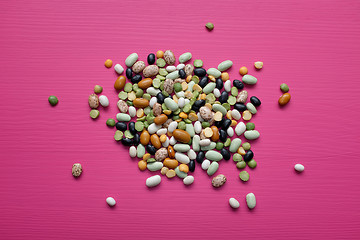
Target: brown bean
215	136
160	119
155	141
93	101
181	135
141	102
284	99
161	154
157	109
120	83
171	152
138	66
170	163
145	83
145	138
150	71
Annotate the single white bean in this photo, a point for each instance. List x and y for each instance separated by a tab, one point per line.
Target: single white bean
234	203
205	164
172	126
153	181
161	131
197	127
240	128
235	114
153	128
172	141
227	86
104	101
110	201
205	142
188	180
299	167
181	102
153	100
170	68
230	132
132	151
132	111
119	69
182	158
191	154
180	94
166	143
187	101
217	93
180	66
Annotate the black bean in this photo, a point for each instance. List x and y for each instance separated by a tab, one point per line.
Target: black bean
226	124
195	108
238	84
121	126
199	103
223	97
248	156
151	149
200	156
137	78
127	141
240	107
200	72
192	166
132	128
151	58
129	73
255	101
182	73
160	98
219	83
203	81
136	139
220	123
225	153
222	135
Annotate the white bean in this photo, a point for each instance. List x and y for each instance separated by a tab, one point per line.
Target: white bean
166	143
230	132
227	86
180	94
153	100
172	126
170	68
161	131
152	91
132	151
181	102
192	155
197	127
188	180
240	128
172	141
104	101
205	142
111	201
299	167
205	164
153	128
153	181
234	203
119	69
180	66
182	158
217	92
235	114
132	111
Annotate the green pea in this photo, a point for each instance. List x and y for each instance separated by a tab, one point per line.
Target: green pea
234	91
53	100
187	120
210	98
187	108
94	113
284	87
122	95
129	103
182	125
139	126
244	176
156	83
209	26
165	93
142	119
195	79
161	78
176	117
150	160
231	100
118	135
246	146
147	96
250	126
147	110
160	62
252	163
128	134
139	92
241	165
146	124
177	87
110	122
205	124
227	142
163	72
226	106
135	87
198	63
128	87
219	146
162	86
177	112
98	89
237	157
150	119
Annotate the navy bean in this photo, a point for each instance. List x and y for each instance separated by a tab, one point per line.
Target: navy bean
151	149
129	73
225	153
182	73
248	156
200	157
127	141
240	107
137	78
238	84
160	98
219	83
203	81
121	126
151	58
132	128
226	124
223	97
192	166
255	101
200	72
222	135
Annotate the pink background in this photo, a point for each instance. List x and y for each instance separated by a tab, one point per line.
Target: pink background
59	47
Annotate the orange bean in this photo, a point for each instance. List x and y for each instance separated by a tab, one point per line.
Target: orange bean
171	152
142	165
284	99
120	83
155	141
170	163
108	63
160	119
159	54
181	135
145	83
215	136
141	102
145	138
184	168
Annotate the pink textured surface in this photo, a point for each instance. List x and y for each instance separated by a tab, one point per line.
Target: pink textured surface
59	47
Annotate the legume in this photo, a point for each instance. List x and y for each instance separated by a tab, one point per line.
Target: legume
244	176
284	88
53	100
209	26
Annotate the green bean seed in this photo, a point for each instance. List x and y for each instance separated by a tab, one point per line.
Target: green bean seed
122	95
250	126
98	89
234	91
246	146
198	63
244	176
237	157
182	125
128	87
227	142
150	160
53	100
195	79
177	87
135	87
139	92
94	113
209	26
156	83
147	96
227	105
219	146
129	103
118	135
142	119
205	124
128	134
252	163
146	124
139	126
163	72
284	87
231	100
160	62
241	165
110	122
